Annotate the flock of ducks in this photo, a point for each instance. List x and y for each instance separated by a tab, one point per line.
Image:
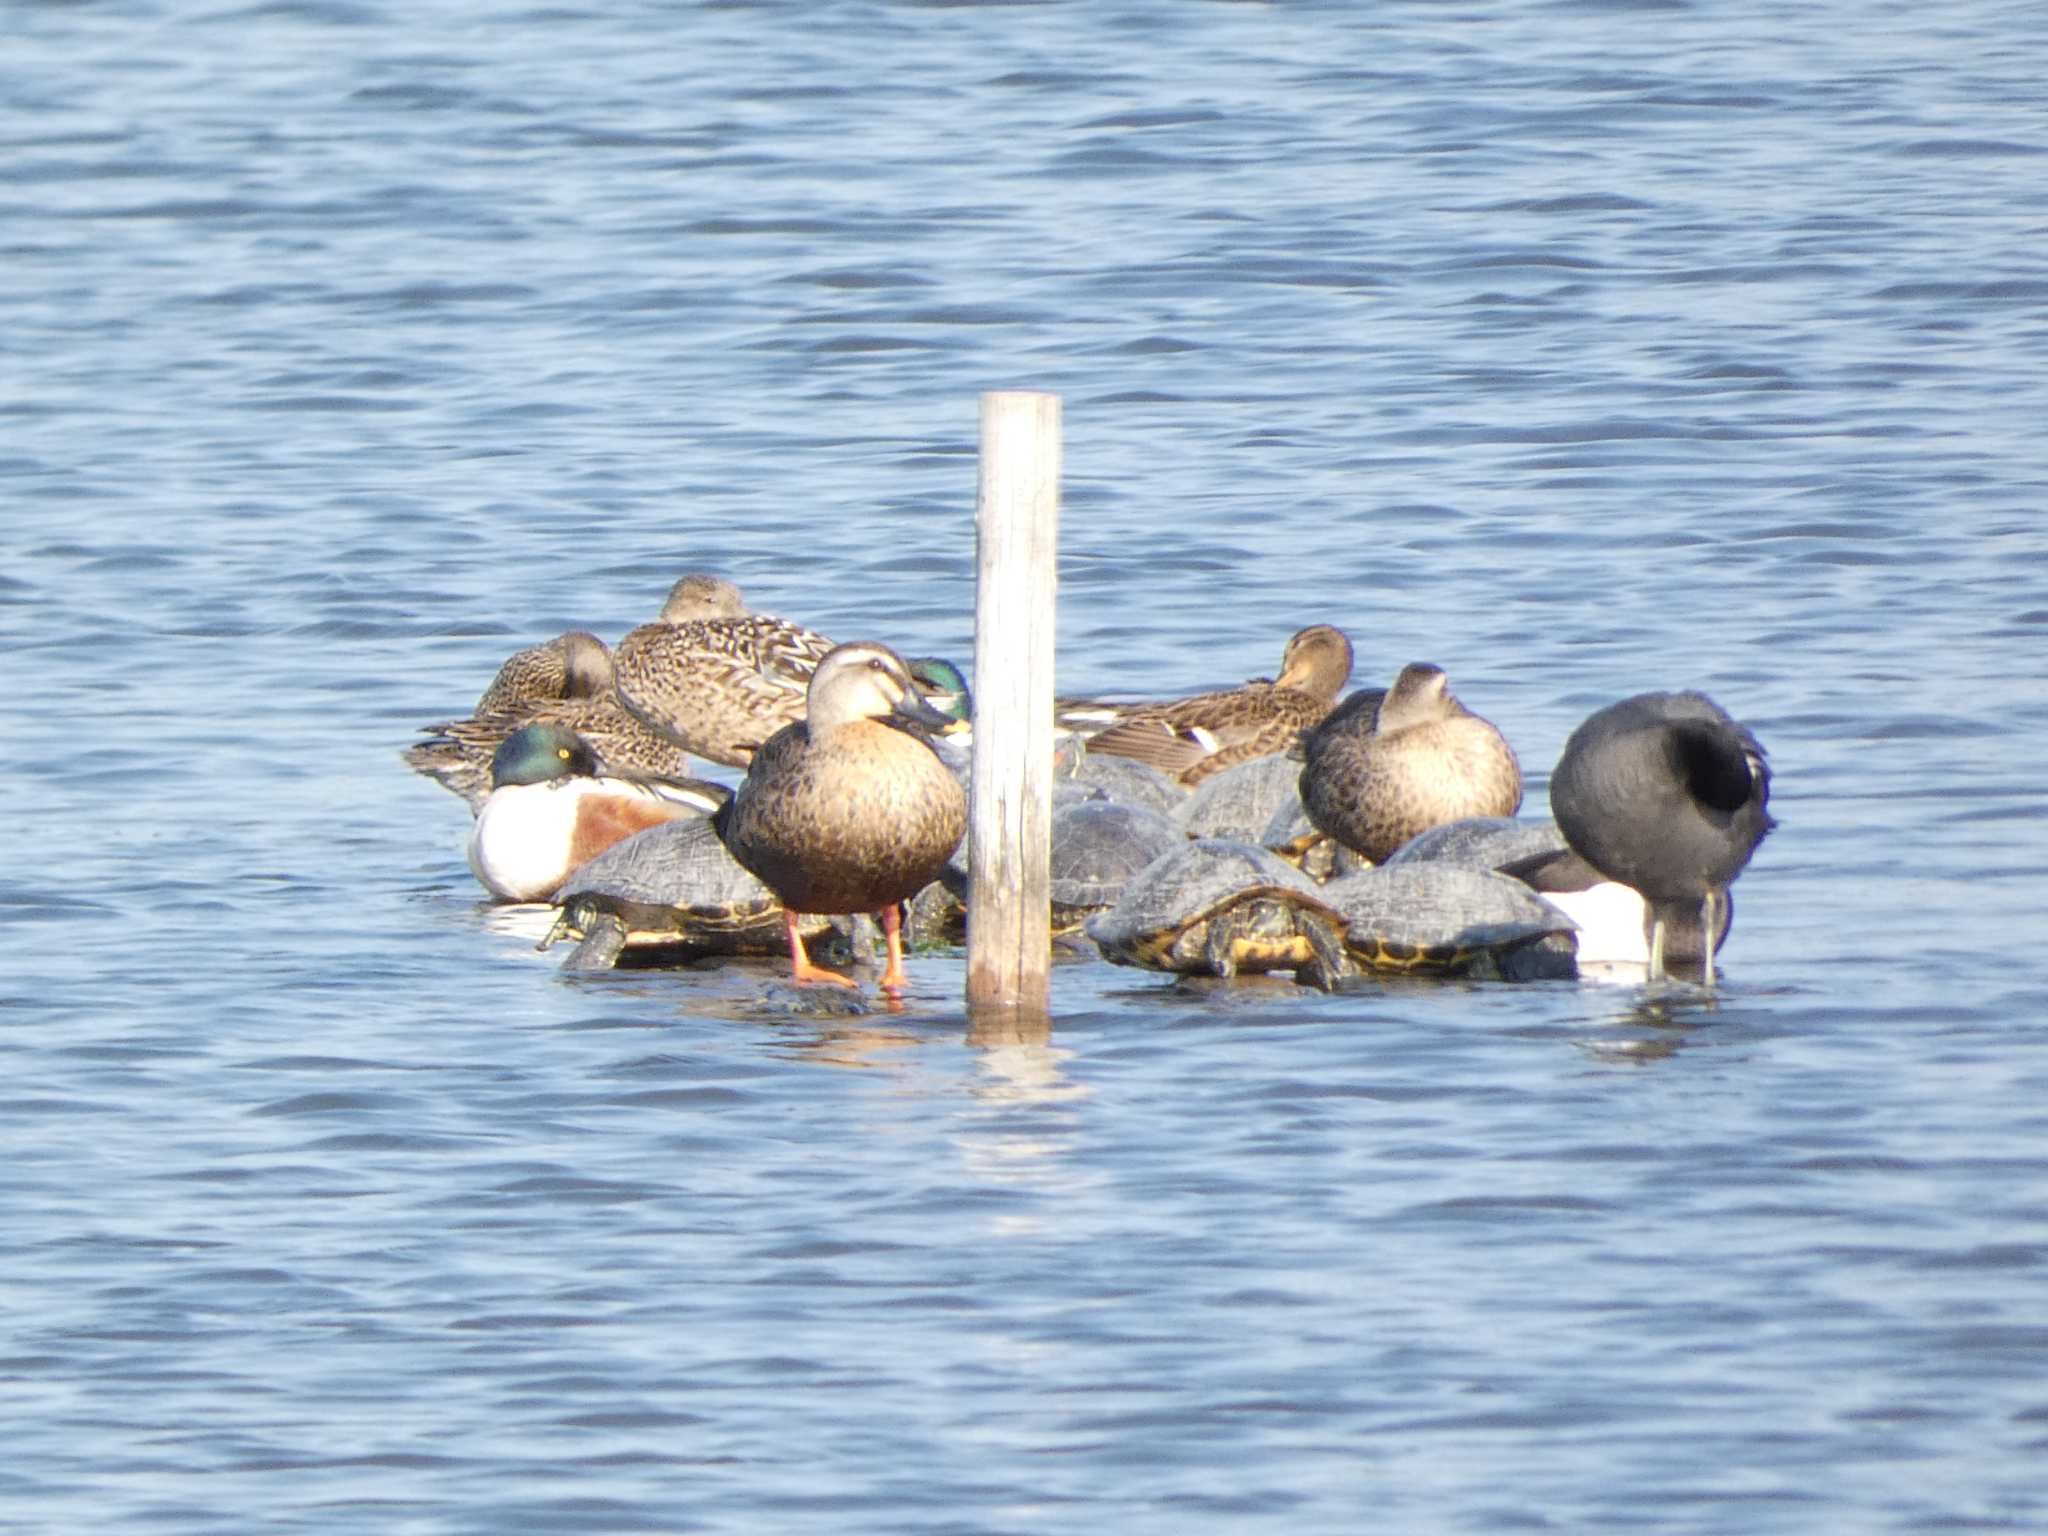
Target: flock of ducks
851	800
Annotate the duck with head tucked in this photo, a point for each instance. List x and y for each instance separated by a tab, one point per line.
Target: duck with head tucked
716	680
1388	766
575	665
1193	738
1667	795
849	809
552	808
566	681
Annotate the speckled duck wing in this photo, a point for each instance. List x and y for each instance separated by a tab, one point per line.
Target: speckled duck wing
457	753
718	687
1191	739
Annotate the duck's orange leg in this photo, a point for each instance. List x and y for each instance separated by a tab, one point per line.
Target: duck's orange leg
800	967
894	978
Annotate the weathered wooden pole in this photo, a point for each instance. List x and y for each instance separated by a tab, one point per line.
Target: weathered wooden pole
1017	522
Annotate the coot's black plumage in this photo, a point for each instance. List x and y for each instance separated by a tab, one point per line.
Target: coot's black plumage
1665	793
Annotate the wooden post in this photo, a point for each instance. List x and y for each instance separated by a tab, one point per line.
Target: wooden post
1017	517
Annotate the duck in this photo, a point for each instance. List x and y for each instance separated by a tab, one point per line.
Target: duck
573	665
719	683
1387	765
553	807
565	681
457	754
1666	794
849	809
1192	739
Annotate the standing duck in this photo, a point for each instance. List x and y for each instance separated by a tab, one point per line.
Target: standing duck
1385	767
719	681
1191	739
849	809
1666	794
552	808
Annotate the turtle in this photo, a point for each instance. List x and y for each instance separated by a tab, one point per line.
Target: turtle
1239	802
673	884
1218	908
1479	842
1424	918
1097	847
1122	778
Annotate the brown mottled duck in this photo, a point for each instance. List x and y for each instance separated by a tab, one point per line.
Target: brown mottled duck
850	809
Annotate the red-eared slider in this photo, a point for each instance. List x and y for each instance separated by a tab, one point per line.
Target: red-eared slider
674	884
1375	777
1098	846
1216	908
1437	919
1125	779
1240	802
1479	842
1666	794
1192	738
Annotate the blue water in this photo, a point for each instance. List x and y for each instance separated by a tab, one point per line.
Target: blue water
1580	348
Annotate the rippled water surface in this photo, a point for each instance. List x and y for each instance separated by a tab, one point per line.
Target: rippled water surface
1580	348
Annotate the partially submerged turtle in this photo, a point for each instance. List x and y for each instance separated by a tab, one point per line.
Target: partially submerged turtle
674	884
1438	919
1218	908
1098	846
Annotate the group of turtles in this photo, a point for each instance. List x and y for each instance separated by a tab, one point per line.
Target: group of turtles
1275	827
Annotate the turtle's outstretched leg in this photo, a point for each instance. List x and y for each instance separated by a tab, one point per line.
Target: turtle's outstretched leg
800	967
604	936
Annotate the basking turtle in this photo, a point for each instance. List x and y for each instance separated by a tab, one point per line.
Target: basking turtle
1125	779
674	884
1240	802
1215	908
1439	919
1479	842
1098	846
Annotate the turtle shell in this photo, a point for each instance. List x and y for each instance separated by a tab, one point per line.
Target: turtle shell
1097	847
1434	918
1126	779
1240	802
1479	842
1216	908
676	884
